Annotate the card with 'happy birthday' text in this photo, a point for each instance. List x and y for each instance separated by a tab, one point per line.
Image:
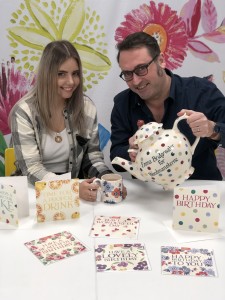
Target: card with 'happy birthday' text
196	208
188	261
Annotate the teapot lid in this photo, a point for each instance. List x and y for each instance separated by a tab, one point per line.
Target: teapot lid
149	130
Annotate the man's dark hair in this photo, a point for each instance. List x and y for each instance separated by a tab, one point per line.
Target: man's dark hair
139	40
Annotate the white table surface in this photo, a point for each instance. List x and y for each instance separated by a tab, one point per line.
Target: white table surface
23	276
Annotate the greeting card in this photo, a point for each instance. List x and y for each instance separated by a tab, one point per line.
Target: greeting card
126	227
57	200
121	257
15	189
55	247
196	209
8	205
188	261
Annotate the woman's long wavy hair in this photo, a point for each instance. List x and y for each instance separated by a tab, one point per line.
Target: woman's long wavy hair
45	89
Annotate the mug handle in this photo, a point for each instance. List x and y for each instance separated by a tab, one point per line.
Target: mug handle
98	182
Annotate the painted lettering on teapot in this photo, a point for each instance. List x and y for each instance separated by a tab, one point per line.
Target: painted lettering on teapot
163	156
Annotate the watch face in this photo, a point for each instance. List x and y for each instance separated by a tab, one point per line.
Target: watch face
216	129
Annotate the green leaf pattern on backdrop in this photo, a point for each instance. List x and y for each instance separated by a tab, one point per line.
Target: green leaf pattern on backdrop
3	146
36	23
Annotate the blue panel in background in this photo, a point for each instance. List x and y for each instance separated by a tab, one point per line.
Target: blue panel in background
104	136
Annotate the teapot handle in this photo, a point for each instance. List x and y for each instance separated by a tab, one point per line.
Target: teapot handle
176	129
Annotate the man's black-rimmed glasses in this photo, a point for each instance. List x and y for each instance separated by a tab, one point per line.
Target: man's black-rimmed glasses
141	70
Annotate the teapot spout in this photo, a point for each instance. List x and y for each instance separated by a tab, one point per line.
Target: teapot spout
129	166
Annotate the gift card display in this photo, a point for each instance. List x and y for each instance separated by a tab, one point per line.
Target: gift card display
196	209
188	261
121	257
52	248
8	205
57	200
126	227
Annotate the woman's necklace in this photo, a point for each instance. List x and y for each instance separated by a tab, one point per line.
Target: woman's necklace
58	125
58	138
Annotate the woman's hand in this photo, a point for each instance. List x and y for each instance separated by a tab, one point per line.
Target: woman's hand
88	190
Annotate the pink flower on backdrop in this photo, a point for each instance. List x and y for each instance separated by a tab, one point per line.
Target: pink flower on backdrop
194	13
13	85
177	33
162	23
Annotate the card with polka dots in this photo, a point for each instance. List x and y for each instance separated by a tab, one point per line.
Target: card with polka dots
196	208
57	200
115	226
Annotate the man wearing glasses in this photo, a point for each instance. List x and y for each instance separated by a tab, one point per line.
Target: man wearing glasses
155	94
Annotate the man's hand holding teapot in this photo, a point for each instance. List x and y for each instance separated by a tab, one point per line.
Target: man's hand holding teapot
199	124
133	148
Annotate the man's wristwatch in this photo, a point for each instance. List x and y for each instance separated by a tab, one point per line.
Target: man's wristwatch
216	128
216	132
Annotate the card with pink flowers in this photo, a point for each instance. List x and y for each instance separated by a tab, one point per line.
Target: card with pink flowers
114	227
188	261
121	257
56	247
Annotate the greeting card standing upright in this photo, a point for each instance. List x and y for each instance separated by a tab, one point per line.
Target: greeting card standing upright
196	208
8	205
14	203
57	200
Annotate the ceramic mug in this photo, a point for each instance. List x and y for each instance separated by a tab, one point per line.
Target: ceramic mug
111	187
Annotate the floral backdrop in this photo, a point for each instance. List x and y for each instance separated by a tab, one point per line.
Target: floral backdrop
191	33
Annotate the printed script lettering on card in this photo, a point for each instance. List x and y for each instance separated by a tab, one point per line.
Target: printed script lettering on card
121	257
188	261
115	226
55	247
8	205
196	209
57	200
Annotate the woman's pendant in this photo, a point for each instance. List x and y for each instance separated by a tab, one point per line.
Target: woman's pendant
58	138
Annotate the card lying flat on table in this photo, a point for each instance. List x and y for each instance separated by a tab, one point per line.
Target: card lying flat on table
55	247
121	257
126	227
188	261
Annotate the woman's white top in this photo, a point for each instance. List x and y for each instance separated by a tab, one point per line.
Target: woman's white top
56	155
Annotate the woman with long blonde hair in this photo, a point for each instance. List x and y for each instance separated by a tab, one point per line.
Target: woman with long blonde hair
54	127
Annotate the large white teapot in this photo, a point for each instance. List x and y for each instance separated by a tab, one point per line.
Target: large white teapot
164	155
